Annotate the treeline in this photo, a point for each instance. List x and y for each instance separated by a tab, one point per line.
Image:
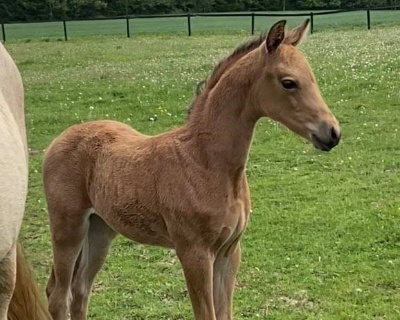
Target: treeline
44	10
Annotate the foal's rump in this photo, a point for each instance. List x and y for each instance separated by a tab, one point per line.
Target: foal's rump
71	159
103	166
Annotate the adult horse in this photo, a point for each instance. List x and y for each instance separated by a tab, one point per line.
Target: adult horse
185	189
19	296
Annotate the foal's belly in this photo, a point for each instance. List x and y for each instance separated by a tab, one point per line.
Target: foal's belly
145	228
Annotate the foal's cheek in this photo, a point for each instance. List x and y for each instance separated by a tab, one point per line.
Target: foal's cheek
296	103
269	99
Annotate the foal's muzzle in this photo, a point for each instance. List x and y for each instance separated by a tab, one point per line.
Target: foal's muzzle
326	138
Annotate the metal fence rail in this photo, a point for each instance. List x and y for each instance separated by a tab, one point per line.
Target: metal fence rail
189	16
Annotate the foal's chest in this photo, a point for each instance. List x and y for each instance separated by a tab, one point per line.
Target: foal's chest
232	226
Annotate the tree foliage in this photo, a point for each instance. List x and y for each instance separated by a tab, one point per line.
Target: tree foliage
43	10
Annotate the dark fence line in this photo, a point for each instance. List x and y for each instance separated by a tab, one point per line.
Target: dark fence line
253	15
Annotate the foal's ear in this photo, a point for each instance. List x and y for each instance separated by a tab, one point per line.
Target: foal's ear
297	35
276	35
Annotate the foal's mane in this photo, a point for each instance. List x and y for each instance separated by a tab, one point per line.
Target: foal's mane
203	87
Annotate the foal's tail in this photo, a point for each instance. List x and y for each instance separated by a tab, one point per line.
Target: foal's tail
26	303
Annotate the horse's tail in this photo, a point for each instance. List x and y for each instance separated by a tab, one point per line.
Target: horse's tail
26	303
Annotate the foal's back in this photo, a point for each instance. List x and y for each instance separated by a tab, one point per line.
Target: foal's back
84	153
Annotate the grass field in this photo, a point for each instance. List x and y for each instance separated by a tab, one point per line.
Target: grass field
324	237
54	30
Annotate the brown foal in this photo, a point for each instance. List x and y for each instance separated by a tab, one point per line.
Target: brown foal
185	189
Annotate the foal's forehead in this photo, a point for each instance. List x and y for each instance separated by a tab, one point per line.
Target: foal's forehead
291	55
292	59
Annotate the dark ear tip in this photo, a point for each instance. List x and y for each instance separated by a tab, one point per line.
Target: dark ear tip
282	22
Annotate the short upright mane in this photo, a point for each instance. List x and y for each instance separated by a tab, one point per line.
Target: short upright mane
206	85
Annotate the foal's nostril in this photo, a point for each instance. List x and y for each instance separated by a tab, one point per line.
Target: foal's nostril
335	135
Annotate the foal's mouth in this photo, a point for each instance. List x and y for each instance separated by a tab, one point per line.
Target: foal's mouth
324	145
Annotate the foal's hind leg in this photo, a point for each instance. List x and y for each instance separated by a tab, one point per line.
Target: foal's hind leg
7	281
91	259
69	226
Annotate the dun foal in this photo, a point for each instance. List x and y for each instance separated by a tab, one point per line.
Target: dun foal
185	189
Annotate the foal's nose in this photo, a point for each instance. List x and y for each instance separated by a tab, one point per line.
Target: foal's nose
326	137
335	135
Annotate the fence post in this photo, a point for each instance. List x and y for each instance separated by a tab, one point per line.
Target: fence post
189	25
368	18
3	31
65	30
252	23
128	31
312	22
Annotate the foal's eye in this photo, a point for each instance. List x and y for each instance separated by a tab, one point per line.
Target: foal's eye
289	84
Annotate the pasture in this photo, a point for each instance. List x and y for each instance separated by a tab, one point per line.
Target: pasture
200	25
324	237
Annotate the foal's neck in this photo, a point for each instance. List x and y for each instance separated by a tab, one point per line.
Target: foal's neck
223	126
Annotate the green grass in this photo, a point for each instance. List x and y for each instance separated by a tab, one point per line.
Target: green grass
54	30
324	237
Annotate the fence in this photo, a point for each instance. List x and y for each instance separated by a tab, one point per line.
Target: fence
189	16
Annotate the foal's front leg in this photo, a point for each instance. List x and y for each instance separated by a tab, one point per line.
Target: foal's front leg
197	266
226	266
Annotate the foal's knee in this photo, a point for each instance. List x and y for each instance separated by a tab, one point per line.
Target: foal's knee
80	297
58	304
50	284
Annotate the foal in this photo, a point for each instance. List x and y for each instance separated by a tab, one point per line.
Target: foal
185	189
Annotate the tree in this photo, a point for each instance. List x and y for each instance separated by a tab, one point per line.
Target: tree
20	10
8	10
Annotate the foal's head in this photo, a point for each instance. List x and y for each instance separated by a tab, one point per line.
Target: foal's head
286	89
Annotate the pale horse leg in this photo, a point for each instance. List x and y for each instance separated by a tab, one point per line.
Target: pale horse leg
7	280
